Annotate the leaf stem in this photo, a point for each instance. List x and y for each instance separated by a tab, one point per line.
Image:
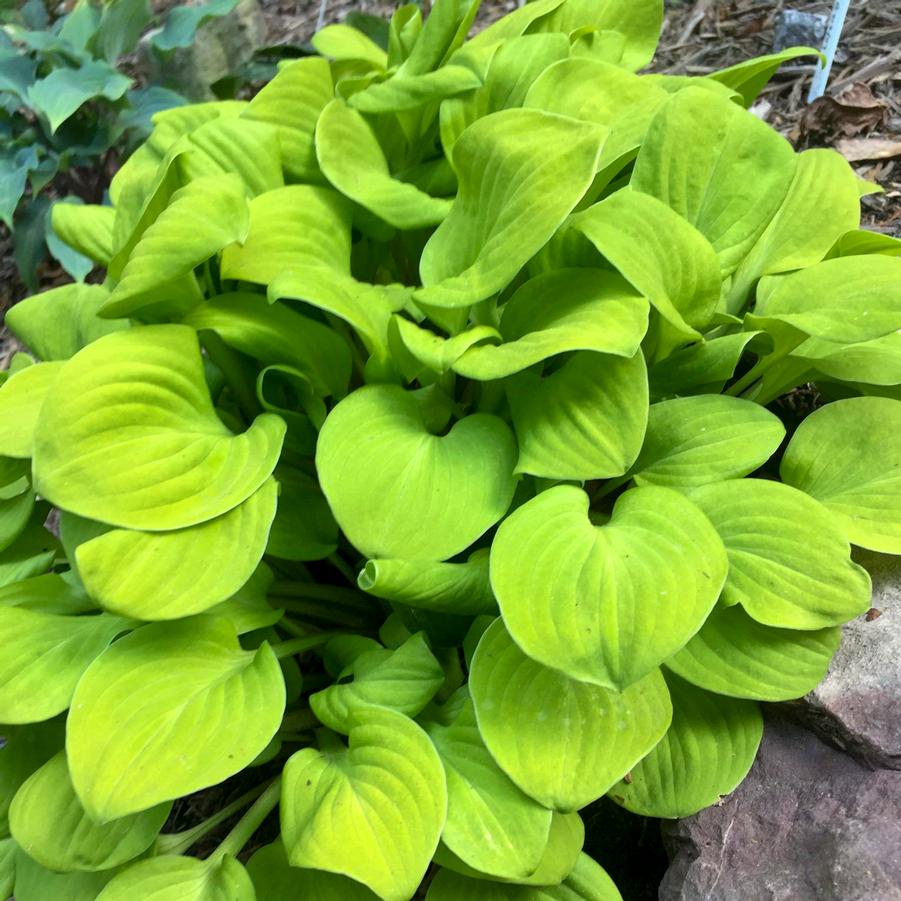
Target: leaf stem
763	365
315	610
180	842
343	567
305	643
251	821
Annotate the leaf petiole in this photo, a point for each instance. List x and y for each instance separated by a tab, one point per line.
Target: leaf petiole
250	822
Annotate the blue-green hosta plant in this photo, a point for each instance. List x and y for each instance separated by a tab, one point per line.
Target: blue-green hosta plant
417	469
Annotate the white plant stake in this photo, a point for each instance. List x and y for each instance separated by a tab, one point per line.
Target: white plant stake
830	45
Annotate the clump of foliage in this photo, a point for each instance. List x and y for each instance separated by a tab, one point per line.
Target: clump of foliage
414	461
67	107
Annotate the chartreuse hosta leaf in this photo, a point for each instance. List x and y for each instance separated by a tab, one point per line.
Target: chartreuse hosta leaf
491	824
596	91
706	753
133	439
490	233
50	825
606	604
292	102
25	749
21	397
717	166
36	883
695	440
400	94
638	23
201	218
749	77
822	204
846	456
398	490
290	228
735	655
586	882
564	844
276	880
31	552
562	742
845	300
584	421
390	778
175	878
789	561
175	574
352	160
57	323
247	148
343	42
47	655
276	334
460	588
554	313
405	679
87	227
512	69
168	710
660	254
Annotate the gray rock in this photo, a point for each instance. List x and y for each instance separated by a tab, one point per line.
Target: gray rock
808	824
798	29
221	46
858	705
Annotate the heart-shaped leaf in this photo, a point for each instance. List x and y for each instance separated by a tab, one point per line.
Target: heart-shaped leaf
134	441
46	656
562	742
491	824
584	421
490	234
21	397
50	825
706	753
405	680
789	561
695	440
174	574
373	812
606	604
352	160
174	878
276	880
457	588
292	102
397	490
737	656
586	882
175	707
719	167
846	456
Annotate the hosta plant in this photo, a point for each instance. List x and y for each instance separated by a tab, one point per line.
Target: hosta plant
420	470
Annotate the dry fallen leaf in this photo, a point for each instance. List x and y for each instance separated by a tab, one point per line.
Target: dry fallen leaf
853	111
856	149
